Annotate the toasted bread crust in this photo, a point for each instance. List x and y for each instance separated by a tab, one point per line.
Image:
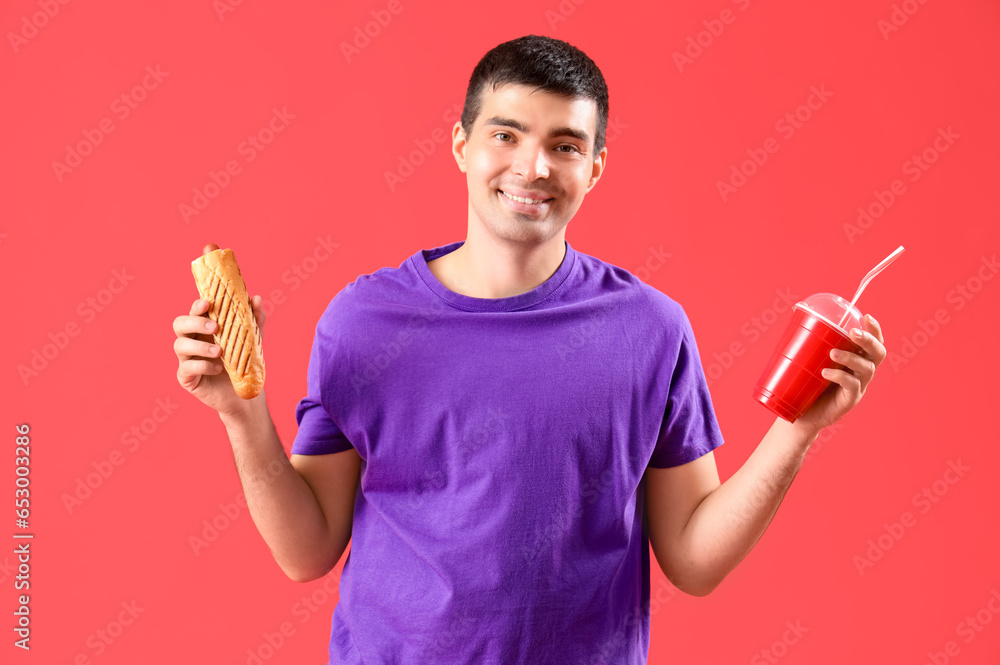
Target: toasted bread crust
220	283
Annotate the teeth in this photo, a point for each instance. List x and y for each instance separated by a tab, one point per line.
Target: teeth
523	200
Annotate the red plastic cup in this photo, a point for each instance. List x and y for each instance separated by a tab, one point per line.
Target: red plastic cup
793	379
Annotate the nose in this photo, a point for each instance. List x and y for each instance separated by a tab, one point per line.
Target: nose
531	161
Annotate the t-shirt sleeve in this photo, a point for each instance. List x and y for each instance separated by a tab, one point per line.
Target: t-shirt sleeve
689	429
317	434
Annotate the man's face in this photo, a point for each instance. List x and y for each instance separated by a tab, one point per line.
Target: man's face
519	145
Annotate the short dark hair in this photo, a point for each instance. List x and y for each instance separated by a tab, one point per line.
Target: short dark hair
550	64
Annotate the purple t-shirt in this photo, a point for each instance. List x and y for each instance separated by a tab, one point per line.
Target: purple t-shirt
499	517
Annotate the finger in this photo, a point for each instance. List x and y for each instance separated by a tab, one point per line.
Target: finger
843	378
189	371
869	323
195	366
860	366
257	303
188	347
874	326
194	325
872	347
878	352
199	307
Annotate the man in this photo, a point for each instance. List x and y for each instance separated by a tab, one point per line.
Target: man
524	420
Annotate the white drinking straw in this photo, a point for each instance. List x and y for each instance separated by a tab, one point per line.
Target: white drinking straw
869	277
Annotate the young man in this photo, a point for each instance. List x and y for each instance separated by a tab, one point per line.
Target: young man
524	420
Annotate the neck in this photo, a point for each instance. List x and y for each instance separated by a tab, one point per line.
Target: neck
487	267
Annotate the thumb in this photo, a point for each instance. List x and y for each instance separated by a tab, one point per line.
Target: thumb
257	304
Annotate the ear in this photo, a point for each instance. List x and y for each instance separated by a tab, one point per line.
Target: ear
458	143
599	163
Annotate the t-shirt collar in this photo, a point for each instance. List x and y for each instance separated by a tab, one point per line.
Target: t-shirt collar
522	301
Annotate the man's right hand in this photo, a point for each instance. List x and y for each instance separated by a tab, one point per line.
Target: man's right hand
200	370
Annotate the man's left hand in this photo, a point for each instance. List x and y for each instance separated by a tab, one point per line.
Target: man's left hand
848	386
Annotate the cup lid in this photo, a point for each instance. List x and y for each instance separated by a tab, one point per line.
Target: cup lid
833	309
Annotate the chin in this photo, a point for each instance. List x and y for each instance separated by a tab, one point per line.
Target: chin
525	231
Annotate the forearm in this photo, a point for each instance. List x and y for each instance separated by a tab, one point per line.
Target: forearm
281	503
729	521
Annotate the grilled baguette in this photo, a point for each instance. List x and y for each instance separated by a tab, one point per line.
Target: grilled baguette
221	284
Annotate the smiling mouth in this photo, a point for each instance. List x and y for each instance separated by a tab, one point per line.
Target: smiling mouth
523	200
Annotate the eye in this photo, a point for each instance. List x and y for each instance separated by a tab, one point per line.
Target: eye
498	135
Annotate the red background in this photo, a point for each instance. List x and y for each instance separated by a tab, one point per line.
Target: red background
680	131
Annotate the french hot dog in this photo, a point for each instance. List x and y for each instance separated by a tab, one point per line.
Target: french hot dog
220	282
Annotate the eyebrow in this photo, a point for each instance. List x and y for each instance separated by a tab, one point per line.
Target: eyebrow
497	121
